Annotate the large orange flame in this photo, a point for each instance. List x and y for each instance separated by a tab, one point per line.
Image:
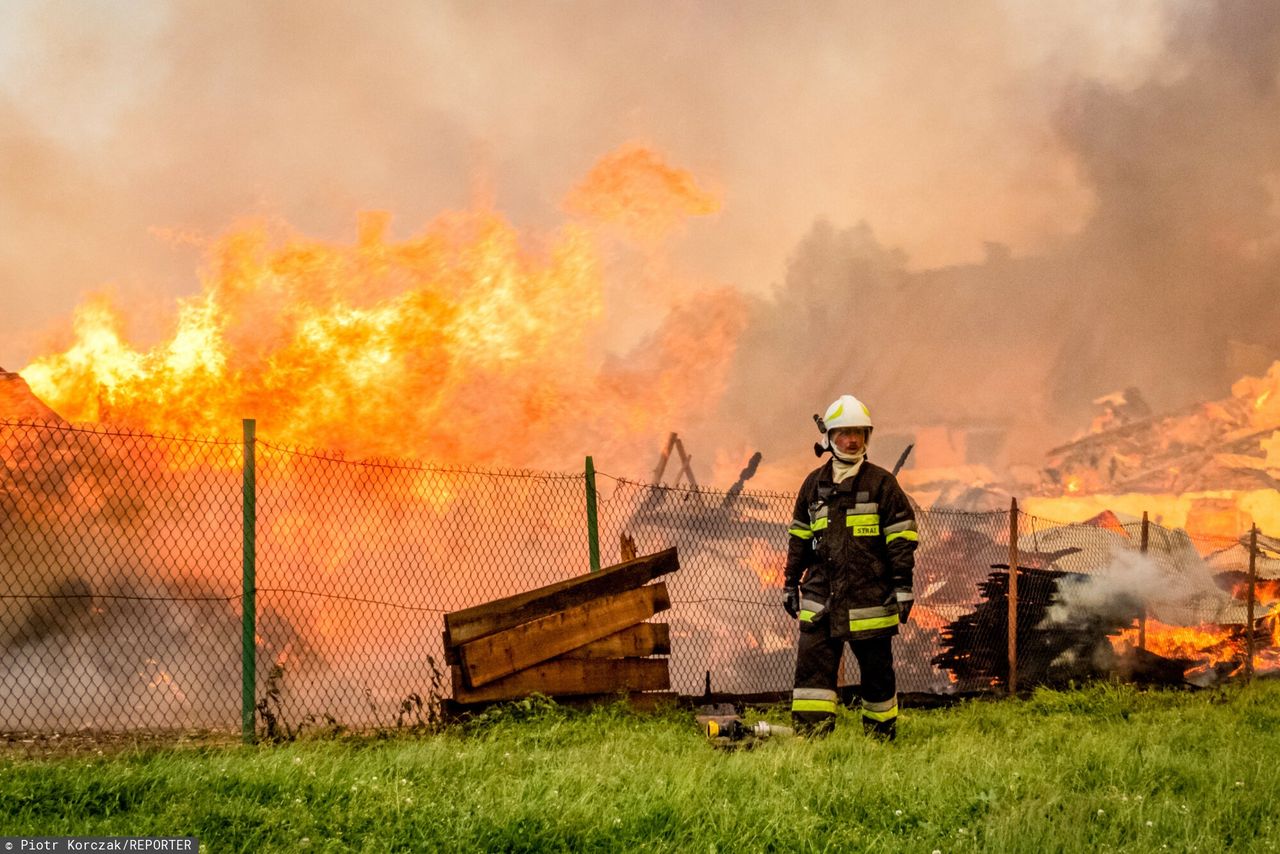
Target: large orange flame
635	190
463	343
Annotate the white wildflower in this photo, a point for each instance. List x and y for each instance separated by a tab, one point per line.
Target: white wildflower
897	812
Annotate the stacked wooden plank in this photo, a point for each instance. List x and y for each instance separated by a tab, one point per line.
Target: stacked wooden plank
583	636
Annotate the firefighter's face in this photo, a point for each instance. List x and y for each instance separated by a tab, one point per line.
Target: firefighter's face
849	440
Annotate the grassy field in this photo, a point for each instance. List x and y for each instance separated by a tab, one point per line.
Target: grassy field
1100	769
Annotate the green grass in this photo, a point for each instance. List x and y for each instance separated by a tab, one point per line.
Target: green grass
1100	769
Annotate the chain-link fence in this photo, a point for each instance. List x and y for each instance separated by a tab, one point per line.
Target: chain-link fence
123	560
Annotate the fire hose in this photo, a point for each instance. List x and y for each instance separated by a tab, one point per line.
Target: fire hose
731	731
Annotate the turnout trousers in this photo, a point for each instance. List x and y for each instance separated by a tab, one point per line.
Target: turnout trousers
813	702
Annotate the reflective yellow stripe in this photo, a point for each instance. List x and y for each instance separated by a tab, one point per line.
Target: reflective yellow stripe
881	716
813	706
864	525
802	533
807	616
873	623
820	524
906	535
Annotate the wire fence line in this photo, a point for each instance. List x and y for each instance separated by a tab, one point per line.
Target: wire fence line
122	559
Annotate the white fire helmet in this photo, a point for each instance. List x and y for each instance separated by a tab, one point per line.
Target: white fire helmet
845	411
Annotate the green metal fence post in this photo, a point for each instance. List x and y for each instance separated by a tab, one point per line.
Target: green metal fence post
1253	592
249	629
1013	597
593	531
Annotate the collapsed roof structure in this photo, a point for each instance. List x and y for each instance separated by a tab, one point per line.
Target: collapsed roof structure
1230	444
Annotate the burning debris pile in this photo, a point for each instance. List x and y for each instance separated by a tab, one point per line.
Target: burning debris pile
976	646
432	347
1232	444
1160	617
111	561
1098	608
732	554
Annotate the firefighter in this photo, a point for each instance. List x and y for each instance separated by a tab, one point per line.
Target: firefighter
850	558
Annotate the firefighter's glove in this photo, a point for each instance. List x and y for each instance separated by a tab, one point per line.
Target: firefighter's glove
791	604
905	600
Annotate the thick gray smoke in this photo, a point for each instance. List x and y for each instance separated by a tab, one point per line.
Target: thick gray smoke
1177	591
1170	285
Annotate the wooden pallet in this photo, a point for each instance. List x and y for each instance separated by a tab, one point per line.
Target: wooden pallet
583	636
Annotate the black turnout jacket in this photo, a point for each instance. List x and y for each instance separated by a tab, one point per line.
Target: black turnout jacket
851	549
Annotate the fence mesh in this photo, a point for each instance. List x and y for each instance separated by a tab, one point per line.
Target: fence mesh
121	558
358	563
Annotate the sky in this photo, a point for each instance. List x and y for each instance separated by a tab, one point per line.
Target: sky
1107	167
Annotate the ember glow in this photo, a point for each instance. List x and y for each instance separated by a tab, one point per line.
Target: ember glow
1203	475
1203	469
1209	646
768	562
1205	642
467	342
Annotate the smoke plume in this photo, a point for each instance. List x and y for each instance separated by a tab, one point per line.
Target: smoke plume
1169	283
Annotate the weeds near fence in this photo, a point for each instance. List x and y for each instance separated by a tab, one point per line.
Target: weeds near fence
419	713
